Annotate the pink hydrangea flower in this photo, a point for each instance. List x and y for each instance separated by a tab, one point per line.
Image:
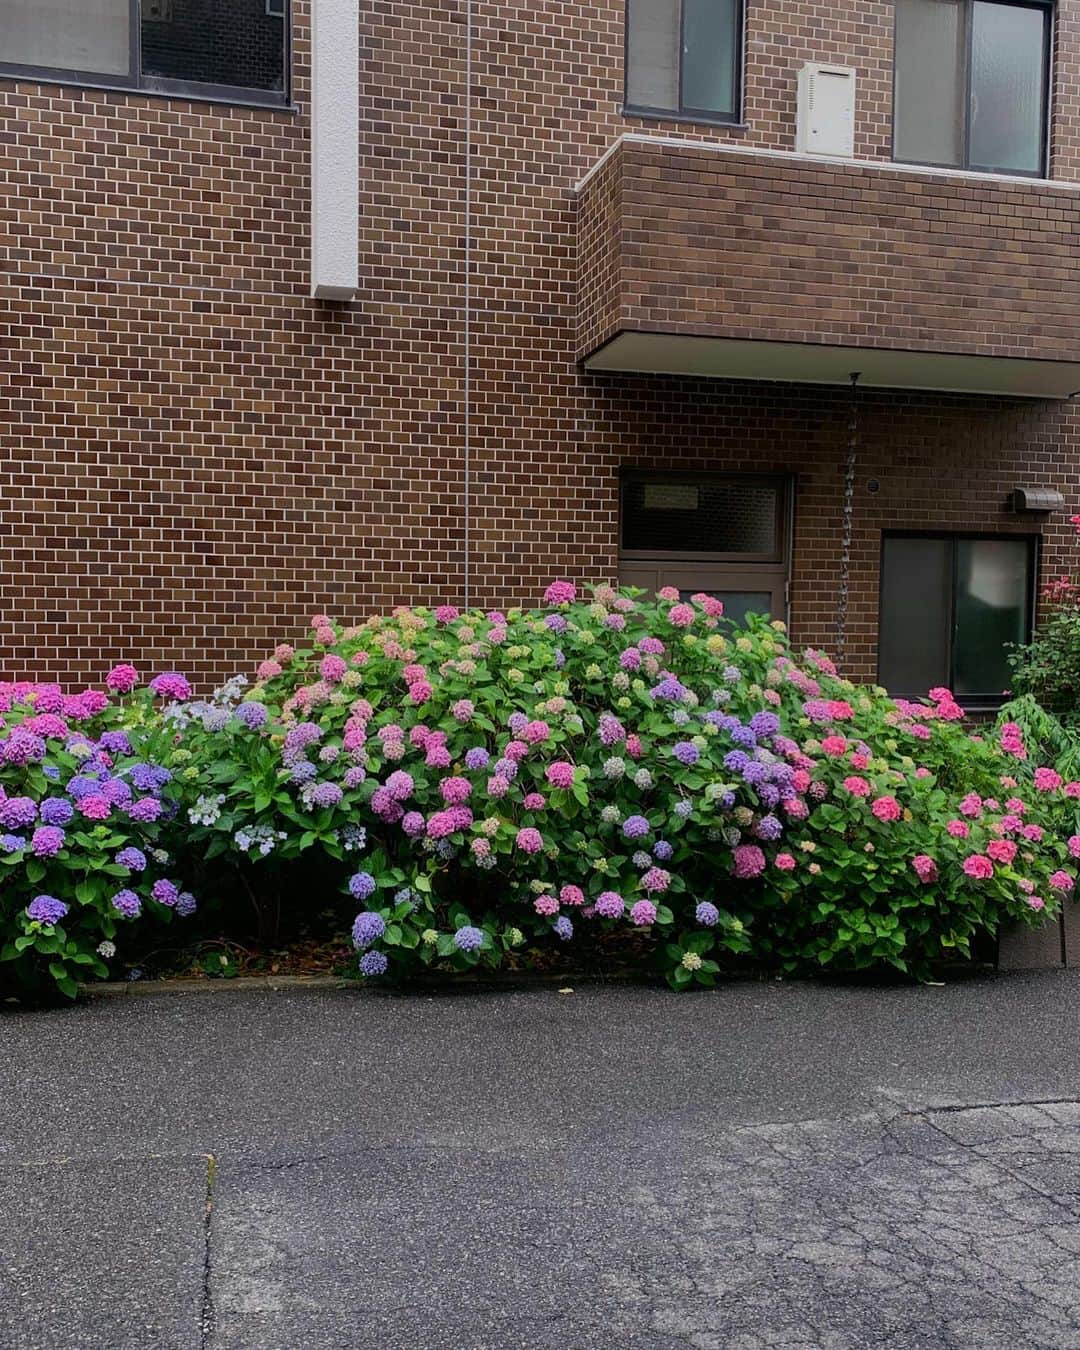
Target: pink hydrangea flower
1016	806
713	608
400	785
1072	789
529	840
1001	850
971	805
1036	902
1074	845
420	692
560	593
656	879
667	593
1033	833
1061	881
633	746
283	652
122	679
886	809
455	791
785	862
560	774
572	896
447	613
925	867
682	616
857	760
266	670
333	668
834	746
534	801
516	750
498	786
749	861
95	807
463	710
978	867
858	787
325	636
1047	780
546	905
643	913
535	732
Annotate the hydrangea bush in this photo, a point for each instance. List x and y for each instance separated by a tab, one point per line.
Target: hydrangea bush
489	784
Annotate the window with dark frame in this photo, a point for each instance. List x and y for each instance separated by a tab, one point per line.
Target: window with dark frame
950	606
683	58
222	49
972	84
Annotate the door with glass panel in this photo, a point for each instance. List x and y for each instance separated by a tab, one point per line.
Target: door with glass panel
726	535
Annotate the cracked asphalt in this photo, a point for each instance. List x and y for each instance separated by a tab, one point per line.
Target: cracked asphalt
774	1164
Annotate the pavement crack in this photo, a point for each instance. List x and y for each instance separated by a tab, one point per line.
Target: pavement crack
207	1318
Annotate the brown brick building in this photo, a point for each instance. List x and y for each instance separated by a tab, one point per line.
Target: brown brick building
616	264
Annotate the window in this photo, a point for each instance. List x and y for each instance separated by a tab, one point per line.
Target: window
972	84
228	49
950	605
683	57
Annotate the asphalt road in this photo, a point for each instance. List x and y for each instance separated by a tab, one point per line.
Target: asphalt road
766	1165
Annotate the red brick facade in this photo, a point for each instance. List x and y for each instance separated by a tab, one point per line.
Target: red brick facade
197	455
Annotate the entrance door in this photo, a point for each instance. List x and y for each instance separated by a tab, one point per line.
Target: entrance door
726	535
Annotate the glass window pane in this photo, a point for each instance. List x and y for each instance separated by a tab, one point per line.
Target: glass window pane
710	53
215	42
992	608
738	604
928	98
85	35
1008	87
709	516
652	54
916	603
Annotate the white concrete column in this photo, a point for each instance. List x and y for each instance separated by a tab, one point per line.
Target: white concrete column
335	148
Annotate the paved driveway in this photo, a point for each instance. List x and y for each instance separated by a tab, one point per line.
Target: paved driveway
768	1165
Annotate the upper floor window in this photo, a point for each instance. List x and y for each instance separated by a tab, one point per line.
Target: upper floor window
972	84
229	49
683	57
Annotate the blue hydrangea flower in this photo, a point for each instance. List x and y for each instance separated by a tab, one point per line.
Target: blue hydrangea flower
367	928
745	737
765	724
707	914
127	903
769	829
303	771
46	909
185	904
635	827
11	843
51	772
252	715
684	809
686	752
56	811
131	858
468	939
662	850
735	761
564	929
727	800
361	885
373	963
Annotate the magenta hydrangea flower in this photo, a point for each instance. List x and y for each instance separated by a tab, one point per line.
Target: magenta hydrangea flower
455	791
171	685
48	840
95	806
145	810
560	774
122	679
412	823
749	861
560	593
529	840
643	913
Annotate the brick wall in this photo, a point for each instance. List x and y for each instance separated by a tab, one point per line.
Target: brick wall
196	456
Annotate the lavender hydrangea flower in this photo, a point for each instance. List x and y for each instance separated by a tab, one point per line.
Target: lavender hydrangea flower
11	843
132	858
185	904
610	905
147	777
303	771
662	850
46	909
127	903
769	829
642	860
165	893
754	772
477	758
684	809
469	939
669	689
367	928
735	761
361	885
373	964
707	914
252	715
563	928
635	827
47	841
327	795
731	675
215	719
727	800
686	752
115	742
17	812
764	724
82	785
745	737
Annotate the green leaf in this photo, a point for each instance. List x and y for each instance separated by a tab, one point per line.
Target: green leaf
35	870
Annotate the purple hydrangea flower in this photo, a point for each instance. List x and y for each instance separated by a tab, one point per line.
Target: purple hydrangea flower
303	771
148	777
361	885
556	623
610	905
145	810
732	675
662	850
115	742
116	791
11	843
468	939
252	715
171	685
367	928
707	914
127	903
769	829
82	785
768	794
373	963
635	827
686	752
754	772
764	724
745	737
506	768
669	689
132	858
727	800
22	747
185	904
17	812
477	758
46	909
327	795
564	929
47	841
643	913
413	823
735	761
165	893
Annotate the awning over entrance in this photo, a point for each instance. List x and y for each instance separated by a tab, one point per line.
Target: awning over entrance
695	259
807	363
